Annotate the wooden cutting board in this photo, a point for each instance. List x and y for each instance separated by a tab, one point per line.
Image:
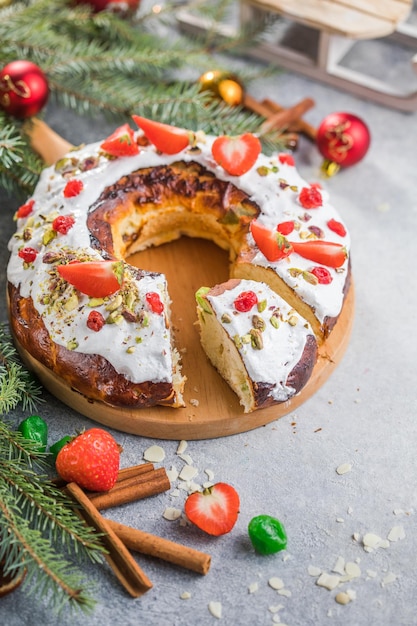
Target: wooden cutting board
212	409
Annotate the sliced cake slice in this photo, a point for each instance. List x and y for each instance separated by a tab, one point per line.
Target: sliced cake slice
264	350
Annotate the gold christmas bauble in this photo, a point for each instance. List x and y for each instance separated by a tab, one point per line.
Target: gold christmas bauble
222	85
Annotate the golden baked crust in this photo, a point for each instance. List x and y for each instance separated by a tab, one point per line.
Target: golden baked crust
159	204
90	375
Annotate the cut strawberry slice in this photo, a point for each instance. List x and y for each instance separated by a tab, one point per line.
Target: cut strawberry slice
272	244
324	252
214	510
96	279
236	155
167	139
121	142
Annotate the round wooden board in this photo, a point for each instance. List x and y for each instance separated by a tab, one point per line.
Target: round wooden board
212	409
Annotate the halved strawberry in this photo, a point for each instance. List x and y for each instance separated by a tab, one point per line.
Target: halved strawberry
236	155
167	139
324	252
121	142
96	279
214	510
272	244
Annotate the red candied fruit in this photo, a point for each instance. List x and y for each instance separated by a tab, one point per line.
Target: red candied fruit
285	228
245	301
286	159
154	302
25	209
310	197
322	274
95	321
337	227
73	188
28	254
63	223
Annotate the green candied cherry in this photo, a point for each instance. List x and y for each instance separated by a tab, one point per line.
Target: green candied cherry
56	447
267	534
35	429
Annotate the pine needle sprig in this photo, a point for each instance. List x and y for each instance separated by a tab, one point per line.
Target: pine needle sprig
17	385
39	530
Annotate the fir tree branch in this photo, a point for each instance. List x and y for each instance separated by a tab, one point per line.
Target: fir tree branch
39	530
16	383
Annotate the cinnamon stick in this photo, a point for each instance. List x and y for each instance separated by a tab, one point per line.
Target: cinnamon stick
286	116
134	470
133	488
149	544
119	558
298	125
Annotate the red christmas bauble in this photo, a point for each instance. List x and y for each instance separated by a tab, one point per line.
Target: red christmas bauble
117	6
24	89
343	139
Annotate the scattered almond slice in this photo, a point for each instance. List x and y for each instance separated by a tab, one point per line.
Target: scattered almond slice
171	514
344	468
172	474
186	458
210	474
396	533
154	454
276	583
253	587
285	592
215	609
314	571
182	446
186	595
329	581
339	566
188	472
389	578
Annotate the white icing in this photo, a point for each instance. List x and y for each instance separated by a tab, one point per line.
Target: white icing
112	341
282	347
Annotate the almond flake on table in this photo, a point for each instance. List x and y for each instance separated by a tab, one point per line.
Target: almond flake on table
154	454
182	446
215	609
171	514
328	581
188	472
186	595
275	608
210	474
342	598
276	583
344	468
284	592
371	542
314	571
186	458
339	566
352	571
396	533
172	474
388	579
253	587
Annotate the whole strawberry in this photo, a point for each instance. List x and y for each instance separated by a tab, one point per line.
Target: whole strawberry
91	460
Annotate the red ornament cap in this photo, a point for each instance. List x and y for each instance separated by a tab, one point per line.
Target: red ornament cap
24	89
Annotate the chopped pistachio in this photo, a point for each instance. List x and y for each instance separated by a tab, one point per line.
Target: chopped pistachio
310	278
238	342
71	303
72	344
256	339
201	301
258	322
246	338
48	236
131	349
261	306
115	303
95	302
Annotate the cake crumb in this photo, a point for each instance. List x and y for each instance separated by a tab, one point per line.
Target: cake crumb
194	402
